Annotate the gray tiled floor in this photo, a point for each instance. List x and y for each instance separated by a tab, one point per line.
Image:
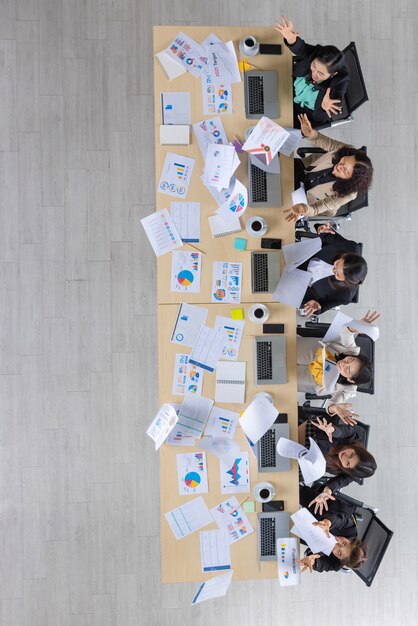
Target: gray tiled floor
78	520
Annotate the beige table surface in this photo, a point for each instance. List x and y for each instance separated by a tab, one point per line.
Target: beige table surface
221	248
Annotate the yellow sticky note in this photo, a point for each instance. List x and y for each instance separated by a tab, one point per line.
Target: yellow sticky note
237	314
244	66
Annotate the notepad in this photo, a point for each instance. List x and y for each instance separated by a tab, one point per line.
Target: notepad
170	66
221	227
230	382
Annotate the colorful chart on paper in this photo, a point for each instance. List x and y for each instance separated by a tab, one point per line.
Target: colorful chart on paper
192	474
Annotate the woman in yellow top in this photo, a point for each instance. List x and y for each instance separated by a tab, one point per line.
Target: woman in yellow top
349	367
331	179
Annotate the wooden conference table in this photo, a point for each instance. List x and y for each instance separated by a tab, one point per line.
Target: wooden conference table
180	560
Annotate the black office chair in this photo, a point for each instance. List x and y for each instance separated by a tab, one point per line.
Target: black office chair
345	211
356	93
365	343
372	531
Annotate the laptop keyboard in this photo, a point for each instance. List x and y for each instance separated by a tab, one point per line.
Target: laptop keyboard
264	360
268	449
258	184
267	536
260	277
255	95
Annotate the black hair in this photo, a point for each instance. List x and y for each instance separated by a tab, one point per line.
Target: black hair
362	177
355	270
358	554
333	58
365	467
365	374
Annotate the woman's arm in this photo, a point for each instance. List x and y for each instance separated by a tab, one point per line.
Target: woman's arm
329	205
338	482
328	144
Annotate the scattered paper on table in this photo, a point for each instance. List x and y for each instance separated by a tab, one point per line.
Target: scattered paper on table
193	414
187	378
257	418
235	476
162	424
210	131
213	588
189	517
175	108
220	195
190	53
220	164
221	423
192	474
186	218
207	349
292	287
190	318
297	253
177	438
311	462
292	143
230	382
222	447
340	320
236	204
222	61
216	94
233	330
265	140
229	514
161	232
226	282
215	550
175	175
185	271
287	561
313	535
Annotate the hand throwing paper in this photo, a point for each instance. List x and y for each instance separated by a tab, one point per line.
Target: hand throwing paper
311	462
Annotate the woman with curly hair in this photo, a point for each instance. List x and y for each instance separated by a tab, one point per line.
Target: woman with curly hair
331	179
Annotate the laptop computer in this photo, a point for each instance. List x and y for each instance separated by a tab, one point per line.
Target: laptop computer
270	360
267	458
261	94
264	188
265	271
271	526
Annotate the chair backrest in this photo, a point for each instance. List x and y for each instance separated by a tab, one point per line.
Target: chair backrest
356	93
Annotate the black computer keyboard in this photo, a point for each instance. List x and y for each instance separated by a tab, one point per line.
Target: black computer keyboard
259	274
255	95
264	360
267	536
258	184
267	456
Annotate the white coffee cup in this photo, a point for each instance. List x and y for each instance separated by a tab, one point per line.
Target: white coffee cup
258	313
249	46
256	226
264	492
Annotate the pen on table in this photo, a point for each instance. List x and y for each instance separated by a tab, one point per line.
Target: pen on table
240	504
194	247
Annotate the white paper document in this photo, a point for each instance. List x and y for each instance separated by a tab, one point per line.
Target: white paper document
233	330
223	448
230	382
334	331
161	232
215	550
186	218
222	60
235	476
220	227
187	378
236	204
299	196
220	195
226	282
189	53
220	164
216	93
207	349
287	561
257	418
297	253
272	168
292	143
170	66
221	423
192	474
229	514
189	320
311	462
176	175
186	268
313	535
189	517
265	140
193	414
162	424
209	131
292	287
175	108
213	588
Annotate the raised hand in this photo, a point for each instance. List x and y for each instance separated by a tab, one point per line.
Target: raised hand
327	427
329	105
311	307
370	317
325	524
306	126
286	29
321	502
308	561
295	212
344	412
325	228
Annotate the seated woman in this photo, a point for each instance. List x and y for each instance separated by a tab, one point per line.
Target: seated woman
343	364
332	178
337	271
320	76
346	457
347	552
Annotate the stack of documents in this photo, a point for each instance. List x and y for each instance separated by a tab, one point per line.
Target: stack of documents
311	462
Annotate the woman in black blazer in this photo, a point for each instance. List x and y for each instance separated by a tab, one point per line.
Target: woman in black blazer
320	76
338	269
